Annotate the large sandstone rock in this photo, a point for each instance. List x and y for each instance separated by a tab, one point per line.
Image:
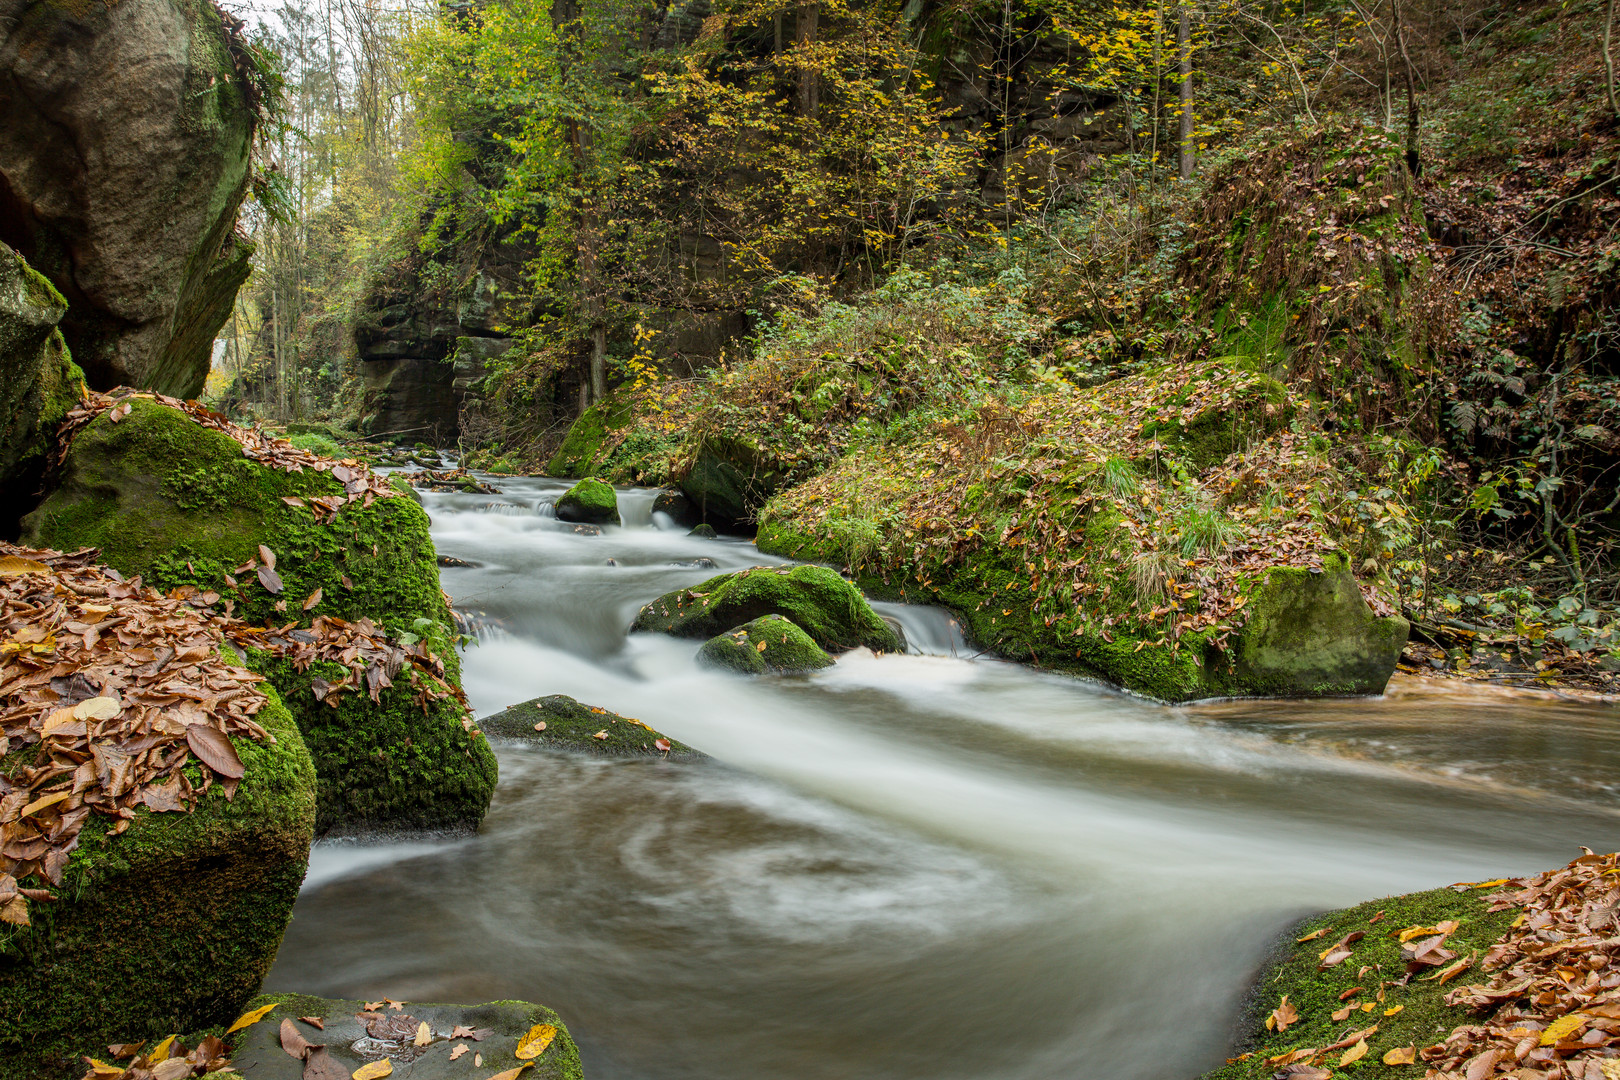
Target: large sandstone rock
168	928
125	133
178	503
38	380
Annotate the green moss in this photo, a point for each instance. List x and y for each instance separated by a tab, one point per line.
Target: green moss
573	726
39	383
168	928
592	501
1424	1018
578	454
177	503
826	607
770	643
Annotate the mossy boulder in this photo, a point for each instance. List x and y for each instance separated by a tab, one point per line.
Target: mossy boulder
39	382
176	502
572	726
589	502
730	479
259	1054
1412	1015
770	644
168	928
830	610
582	446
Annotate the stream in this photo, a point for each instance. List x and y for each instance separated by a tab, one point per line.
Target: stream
931	866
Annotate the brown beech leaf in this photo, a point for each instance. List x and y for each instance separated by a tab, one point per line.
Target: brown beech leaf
1303	1072
314	1022
293	1042
1282	1016
214	749
313	598
662	744
268	556
270	579
321	1065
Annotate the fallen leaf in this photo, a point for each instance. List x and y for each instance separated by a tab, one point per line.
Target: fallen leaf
248	1019
1282	1016
314	1022
214	749
43	802
373	1006
11	565
160	1052
1343	1014
541	726
293	1042
1314	934
374	1070
1393	1010
512	1074
600	735
460	1048
97	708
1562	1028
321	1065
392	1004
1350	993
1401	1055
313	598
270	579
424	1035
1355	1053
535	1042
662	744
268	556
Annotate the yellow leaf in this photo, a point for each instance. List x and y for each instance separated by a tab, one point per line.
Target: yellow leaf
374	1070
248	1019
1416	931
1355	1053
511	1074
535	1042
43	801
160	1052
1562	1027
12	565
1314	934
1401	1055
1393	1011
424	1035
97	708
760	647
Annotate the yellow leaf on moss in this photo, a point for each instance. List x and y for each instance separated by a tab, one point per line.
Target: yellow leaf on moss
1355	1053
1401	1055
535	1042
248	1019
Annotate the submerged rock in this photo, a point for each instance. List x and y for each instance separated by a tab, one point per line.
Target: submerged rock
826	607
177	502
348	1029
768	644
704	532
169	927
39	382
124	157
589	502
679	508
569	725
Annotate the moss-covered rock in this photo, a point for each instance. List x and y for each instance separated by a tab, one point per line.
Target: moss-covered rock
259	1055
581	448
591	502
730	479
1412	1015
768	644
572	726
39	382
168	928
179	504
826	607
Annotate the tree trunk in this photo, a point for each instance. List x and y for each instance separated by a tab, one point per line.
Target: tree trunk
1414	164
1608	60
809	18
1184	55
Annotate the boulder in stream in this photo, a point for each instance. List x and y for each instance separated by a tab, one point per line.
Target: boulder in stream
589	502
180	503
558	722
353	1037
770	644
826	607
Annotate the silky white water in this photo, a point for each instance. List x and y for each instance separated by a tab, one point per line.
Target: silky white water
925	866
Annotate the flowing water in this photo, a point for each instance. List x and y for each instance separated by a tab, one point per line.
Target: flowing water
923	866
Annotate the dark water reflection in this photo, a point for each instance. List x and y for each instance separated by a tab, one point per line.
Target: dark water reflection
909	867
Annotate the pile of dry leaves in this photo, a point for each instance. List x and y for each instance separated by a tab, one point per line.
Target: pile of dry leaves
120	688
360	484
167	1060
1552	1008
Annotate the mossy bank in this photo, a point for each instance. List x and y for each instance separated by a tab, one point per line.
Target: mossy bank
179	504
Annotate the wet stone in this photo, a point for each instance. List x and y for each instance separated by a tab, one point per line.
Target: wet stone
350	1038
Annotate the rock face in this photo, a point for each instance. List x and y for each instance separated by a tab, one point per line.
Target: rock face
830	610
730	480
168	928
259	1053
179	504
125	132
574	727
769	644
39	382
423	347
590	501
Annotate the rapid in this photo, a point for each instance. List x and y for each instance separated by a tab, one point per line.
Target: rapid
919	867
